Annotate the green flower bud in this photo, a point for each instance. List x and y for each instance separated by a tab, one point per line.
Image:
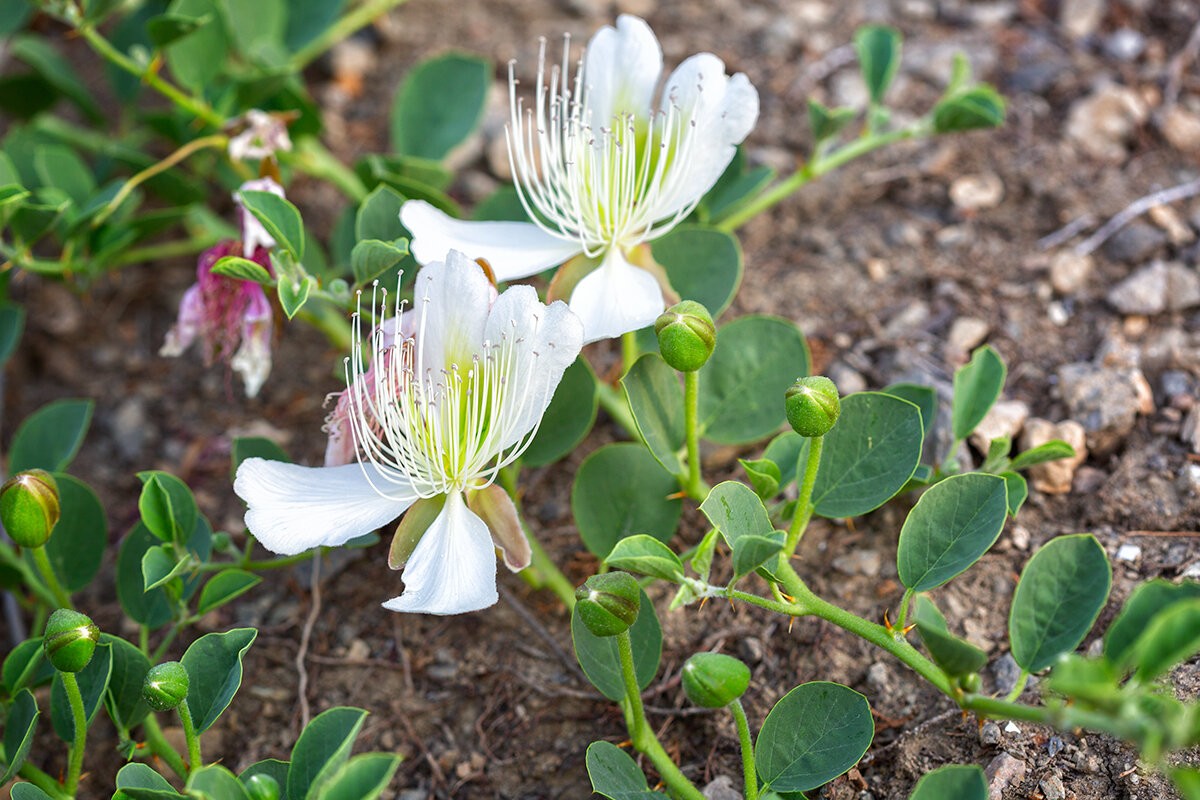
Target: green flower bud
813	405
686	335
262	787
712	680
70	640
166	686
29	507
970	683
608	604
221	542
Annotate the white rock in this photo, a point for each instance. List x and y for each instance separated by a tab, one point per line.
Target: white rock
1101	123
1181	128
1069	273
977	192
1004	419
1129	552
966	333
1012	730
1081	18
1054	477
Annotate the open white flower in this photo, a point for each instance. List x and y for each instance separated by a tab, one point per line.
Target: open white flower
602	168
454	392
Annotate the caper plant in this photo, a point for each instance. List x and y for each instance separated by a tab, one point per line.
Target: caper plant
633	191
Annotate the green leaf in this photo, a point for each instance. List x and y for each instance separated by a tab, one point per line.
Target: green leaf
923	397
656	400
741	387
20	724
1092	680
954	781
198	58
787	450
140	782
27	791
621	490
37	52
598	655
827	123
736	187
752	551
379	216
243	269
1172	636
1059	596
978	107
363	777
702	264
439	104
226	585
735	510
957	657
13	16
306	20
815	733
568	418
294	294
214	666
167	506
272	768
1049	451
646	555
280	218
1147	601
215	782
50	437
878	49
1186	780
323	747
869	455
152	609
950	528
93	683
166	29
1018	491
255	447
764	475
977	386
61	168
614	774
256	28
26	666
77	543
371	258
702	560
123	699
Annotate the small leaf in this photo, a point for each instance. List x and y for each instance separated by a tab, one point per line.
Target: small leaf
159	567
165	29
646	555
764	475
736	511
378	216
93	683
226	585
702	559
123	698
621	490
923	397
153	608
50	437
598	655
26	666
977	386
1186	780
1018	491
1059	596
271	767
20	724
439	105
878	49
827	123
27	791
1173	636
957	781
614	774
363	777
753	551
957	657
255	447
214	782
243	269
815	733
167	506
656	400
950	528
1091	680
323	747
1147	601
1048	451
789	451
214	666
977	107
293	295
140	782
280	218
569	417
199	57
371	258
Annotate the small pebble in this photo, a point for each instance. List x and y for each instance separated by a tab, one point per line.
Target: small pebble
977	192
1069	273
1129	552
1052	787
1102	123
1012	730
1004	771
989	734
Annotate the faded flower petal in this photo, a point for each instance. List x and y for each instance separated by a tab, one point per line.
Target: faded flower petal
254	235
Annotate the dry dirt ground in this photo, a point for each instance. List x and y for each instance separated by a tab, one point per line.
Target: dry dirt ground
879	263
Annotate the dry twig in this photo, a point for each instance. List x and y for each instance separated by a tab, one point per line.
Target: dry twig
313	611
1135	210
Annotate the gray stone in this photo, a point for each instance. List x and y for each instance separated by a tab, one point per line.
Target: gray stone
1162	286
1005	419
1135	243
1125	44
879	679
1069	273
722	787
965	334
1105	400
1052	787
1102	123
1005	770
1082	18
989	734
1005	673
130	428
859	561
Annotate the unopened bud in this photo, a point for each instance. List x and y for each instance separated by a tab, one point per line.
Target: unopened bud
813	405
29	507
70	640
262	787
970	682
713	680
166	686
686	335
608	604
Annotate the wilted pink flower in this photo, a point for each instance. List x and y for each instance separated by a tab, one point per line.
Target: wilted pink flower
265	134
231	318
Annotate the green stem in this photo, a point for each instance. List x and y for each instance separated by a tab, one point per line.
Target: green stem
696	488
51	580
342	29
160	747
43	781
329	320
195	761
79	719
640	731
161	252
748	768
312	158
820	165
1018	687
28	578
194	146
902	620
804	506
547	572
629	349
613	402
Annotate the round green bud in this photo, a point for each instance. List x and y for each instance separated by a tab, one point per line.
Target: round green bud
970	683
713	680
262	787
813	405
70	640
608	604
222	542
686	335
166	686
29	507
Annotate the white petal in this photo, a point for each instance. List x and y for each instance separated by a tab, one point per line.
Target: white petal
616	298
513	249
451	300
291	508
453	568
621	70
254	235
549	338
253	359
723	110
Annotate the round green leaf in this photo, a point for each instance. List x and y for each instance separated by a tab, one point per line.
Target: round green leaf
50	437
1172	636
950	528
27	791
568	418
379	216
1059	596
815	733
214	666
20	723
621	490
439	104
272	767
363	777
152	608
742	386
1147	601
978	107
226	585
923	397
869	455
140	782
656	400
279	217
957	781
702	264
196	59
214	782
646	555
167	506
323	747
26	666
614	774
598	655
78	542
